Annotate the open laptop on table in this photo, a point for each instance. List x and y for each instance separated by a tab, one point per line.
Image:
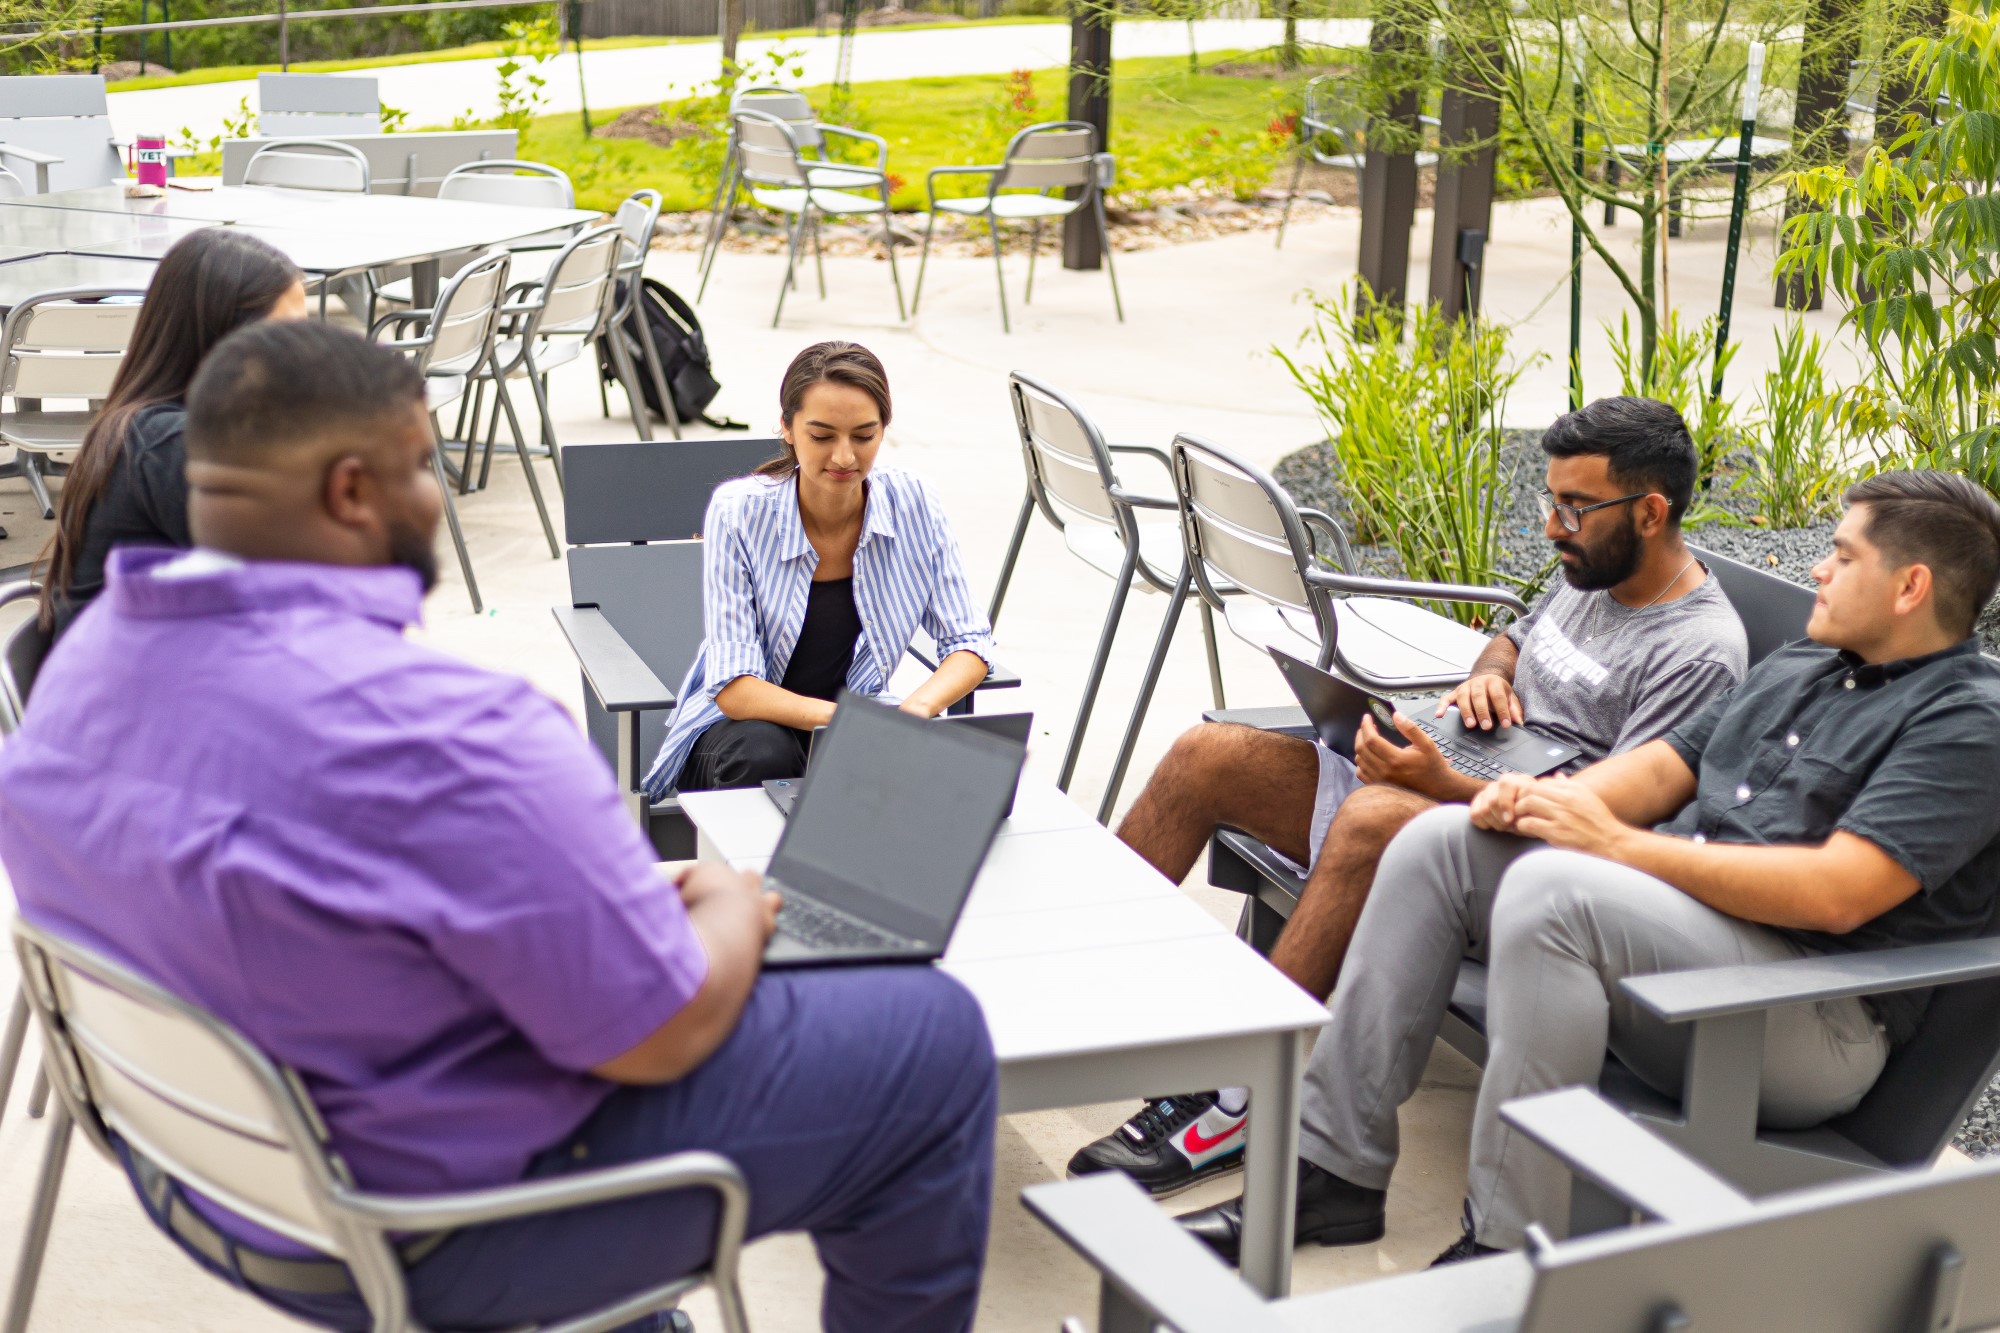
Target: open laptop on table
1010	727
1336	708
880	852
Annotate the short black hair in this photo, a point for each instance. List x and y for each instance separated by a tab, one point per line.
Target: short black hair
1945	522
281	382
1644	442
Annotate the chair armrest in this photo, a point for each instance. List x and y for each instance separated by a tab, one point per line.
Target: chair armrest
1605	1146
448	1212
1133	498
1412	591
1137	501
41	162
1158	455
881	144
1154	1264
1289	719
396	317
618	676
1717	992
997	677
930	178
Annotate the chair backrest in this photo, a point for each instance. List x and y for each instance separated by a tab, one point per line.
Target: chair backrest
460	330
66	116
1882	1255
66	344
575	298
633	515
20	657
1056	155
414	163
1242	528
637	218
1069	467
186	1091
1773	610
788	105
311	105
767	152
309	164
522	184
11	186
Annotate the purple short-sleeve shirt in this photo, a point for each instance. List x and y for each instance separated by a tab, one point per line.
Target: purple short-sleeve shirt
410	879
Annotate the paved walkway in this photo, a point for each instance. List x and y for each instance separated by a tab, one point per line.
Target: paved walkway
434	94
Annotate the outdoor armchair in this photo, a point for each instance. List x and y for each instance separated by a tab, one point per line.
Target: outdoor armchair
195	1102
56	129
1048	172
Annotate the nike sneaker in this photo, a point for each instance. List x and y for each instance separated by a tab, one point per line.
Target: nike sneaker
1172	1144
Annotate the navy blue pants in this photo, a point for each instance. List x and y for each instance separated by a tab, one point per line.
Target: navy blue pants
859	1103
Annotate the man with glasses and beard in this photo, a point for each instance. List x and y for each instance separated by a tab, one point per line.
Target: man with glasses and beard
1634	639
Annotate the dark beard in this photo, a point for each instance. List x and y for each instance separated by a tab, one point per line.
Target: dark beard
1606	564
410	549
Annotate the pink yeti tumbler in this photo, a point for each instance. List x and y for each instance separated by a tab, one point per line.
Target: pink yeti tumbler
150	153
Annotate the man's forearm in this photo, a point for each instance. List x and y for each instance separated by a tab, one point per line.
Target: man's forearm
1793	887
1498	658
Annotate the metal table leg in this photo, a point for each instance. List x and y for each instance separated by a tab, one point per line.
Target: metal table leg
1270	1167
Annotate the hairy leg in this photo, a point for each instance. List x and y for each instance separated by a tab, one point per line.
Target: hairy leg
1224	773
1314	942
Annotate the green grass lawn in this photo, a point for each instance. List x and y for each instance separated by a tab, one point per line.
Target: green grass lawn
1169	127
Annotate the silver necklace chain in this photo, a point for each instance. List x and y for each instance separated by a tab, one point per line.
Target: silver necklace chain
1656	598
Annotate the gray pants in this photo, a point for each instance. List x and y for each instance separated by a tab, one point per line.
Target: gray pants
1557	930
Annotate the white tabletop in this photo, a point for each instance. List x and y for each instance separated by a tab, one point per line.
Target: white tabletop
1070	941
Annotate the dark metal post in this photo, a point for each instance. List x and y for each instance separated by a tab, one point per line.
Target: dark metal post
97	44
142	37
1389	179
1753	84
1089	100
1576	243
167	35
1468	135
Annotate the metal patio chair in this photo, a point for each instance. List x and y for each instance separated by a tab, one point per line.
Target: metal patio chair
1048	172
555	321
309	164
63	345
453	342
637	218
20	662
783	178
507	181
192	1099
809	133
1072	479
1889	1255
313	105
1330	131
58	128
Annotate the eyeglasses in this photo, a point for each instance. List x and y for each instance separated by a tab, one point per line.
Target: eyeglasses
1572	515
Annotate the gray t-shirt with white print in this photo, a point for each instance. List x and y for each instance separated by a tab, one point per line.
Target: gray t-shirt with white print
1606	677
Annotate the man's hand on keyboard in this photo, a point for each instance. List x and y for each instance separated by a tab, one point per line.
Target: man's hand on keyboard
1485	701
704	879
1419	766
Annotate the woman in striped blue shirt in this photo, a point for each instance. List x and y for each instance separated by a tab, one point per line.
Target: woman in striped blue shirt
817	571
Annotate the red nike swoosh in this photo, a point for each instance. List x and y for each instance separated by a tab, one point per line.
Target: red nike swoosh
1197	1144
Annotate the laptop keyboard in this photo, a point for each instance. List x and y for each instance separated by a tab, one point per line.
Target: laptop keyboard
824	928
1472	765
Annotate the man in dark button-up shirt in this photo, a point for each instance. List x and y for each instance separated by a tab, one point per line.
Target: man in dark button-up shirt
1842	797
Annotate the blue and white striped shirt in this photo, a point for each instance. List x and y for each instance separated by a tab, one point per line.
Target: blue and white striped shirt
757	568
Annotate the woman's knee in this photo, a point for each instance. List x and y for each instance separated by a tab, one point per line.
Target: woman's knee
747	753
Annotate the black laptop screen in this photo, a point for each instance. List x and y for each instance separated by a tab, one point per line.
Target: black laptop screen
897	818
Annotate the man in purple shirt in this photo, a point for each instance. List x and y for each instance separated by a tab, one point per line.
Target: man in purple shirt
413	881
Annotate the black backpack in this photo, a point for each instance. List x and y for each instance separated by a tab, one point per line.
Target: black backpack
683	355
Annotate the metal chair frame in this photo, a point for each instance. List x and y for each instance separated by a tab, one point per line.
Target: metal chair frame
1031	178
1321	115
455	343
1072	480
508	181
637	217
81	365
98	1082
781	177
20	661
790	106
346	155
1304	556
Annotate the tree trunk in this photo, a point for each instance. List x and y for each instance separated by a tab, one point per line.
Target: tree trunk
732	32
1819	126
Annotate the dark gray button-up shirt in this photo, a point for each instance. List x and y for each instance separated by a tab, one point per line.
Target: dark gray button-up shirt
1905	754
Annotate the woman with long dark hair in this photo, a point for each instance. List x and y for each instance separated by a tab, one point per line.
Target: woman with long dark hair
815	575
127	485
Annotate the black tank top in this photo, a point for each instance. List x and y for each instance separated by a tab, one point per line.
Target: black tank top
826	641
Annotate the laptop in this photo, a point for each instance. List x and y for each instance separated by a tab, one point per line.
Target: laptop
1010	727
1336	708
879	855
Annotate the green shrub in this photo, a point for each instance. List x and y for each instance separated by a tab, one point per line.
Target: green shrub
1412	405
1683	363
1795	465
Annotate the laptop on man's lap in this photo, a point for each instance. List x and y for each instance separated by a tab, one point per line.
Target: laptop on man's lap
1336	707
881	848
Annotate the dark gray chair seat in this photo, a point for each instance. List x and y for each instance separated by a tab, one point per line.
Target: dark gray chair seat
1909	1115
632	515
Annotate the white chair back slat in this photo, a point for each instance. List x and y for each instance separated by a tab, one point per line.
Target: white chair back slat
465	316
37	375
1064	459
574	297
768	152
1240	535
788	106
67	349
309	164
504	183
1046	174
78	327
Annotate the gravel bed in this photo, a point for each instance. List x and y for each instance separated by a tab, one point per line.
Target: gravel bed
1311	476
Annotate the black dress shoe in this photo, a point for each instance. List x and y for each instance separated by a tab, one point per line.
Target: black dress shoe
1330	1212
